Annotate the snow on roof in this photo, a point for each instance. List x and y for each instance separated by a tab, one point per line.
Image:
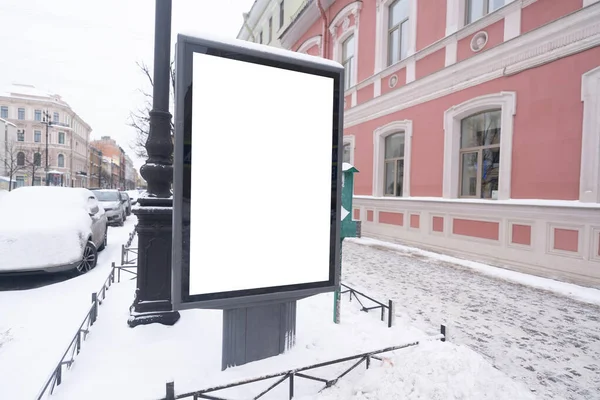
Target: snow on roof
260	47
20	90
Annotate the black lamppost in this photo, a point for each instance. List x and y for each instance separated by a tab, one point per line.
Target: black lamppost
47	121
152	301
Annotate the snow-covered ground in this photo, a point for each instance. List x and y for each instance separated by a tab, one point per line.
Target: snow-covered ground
533	343
549	341
36	325
120	362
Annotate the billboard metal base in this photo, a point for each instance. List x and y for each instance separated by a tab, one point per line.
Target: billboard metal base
258	332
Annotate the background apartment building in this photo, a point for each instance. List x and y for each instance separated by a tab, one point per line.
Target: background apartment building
8	136
117	170
475	124
32	111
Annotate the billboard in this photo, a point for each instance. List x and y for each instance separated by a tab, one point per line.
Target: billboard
257	183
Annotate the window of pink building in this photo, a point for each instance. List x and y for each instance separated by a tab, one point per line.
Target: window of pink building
394	164
398	31
348	60
480	155
479	8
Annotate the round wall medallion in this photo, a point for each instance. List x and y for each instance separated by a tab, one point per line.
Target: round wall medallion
346	23
393	81
479	41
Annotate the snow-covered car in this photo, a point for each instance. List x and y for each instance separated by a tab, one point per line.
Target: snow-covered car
51	229
114	205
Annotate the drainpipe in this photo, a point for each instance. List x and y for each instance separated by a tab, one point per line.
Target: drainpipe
246	16
324	35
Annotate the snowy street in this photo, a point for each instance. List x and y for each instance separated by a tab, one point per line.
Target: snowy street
547	341
36	325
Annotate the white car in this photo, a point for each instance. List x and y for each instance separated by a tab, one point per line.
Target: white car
50	229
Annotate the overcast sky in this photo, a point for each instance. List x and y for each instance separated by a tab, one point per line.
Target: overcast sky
86	50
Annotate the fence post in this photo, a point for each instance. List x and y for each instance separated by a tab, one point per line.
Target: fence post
59	374
443	332
391	313
112	273
170	391
94	308
291	386
122	254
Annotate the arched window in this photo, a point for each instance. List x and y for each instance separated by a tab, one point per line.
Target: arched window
391	159
37	159
477	161
61	160
20	159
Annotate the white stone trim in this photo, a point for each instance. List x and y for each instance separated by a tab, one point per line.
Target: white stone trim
595	244
381	37
411	66
379	136
571	34
506	101
451	53
309	43
512	24
589	2
350	139
377	88
589	178
337	42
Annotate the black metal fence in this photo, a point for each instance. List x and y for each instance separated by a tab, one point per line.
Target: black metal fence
74	347
80	336
129	255
291	375
389	307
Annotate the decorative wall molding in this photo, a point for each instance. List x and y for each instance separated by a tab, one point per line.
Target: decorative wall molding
569	35
512	24
479	41
589	177
379	136
338	41
308	43
507	103
535	259
308	14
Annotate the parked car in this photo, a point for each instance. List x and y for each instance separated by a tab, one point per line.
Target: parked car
51	229
127	203
113	204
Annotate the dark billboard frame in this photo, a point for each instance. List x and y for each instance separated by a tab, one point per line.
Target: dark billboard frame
248	52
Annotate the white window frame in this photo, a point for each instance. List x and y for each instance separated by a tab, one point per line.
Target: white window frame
381	33
589	176
338	41
379	136
351	140
506	102
309	44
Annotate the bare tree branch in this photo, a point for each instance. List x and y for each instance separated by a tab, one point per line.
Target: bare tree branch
139	119
10	159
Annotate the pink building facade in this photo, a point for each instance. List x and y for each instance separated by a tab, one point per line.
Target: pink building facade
475	125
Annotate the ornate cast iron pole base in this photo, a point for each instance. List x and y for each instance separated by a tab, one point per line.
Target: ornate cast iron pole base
152	302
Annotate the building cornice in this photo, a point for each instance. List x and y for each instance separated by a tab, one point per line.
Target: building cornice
571	34
307	15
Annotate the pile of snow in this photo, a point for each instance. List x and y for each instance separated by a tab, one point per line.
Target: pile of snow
43	226
138	362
